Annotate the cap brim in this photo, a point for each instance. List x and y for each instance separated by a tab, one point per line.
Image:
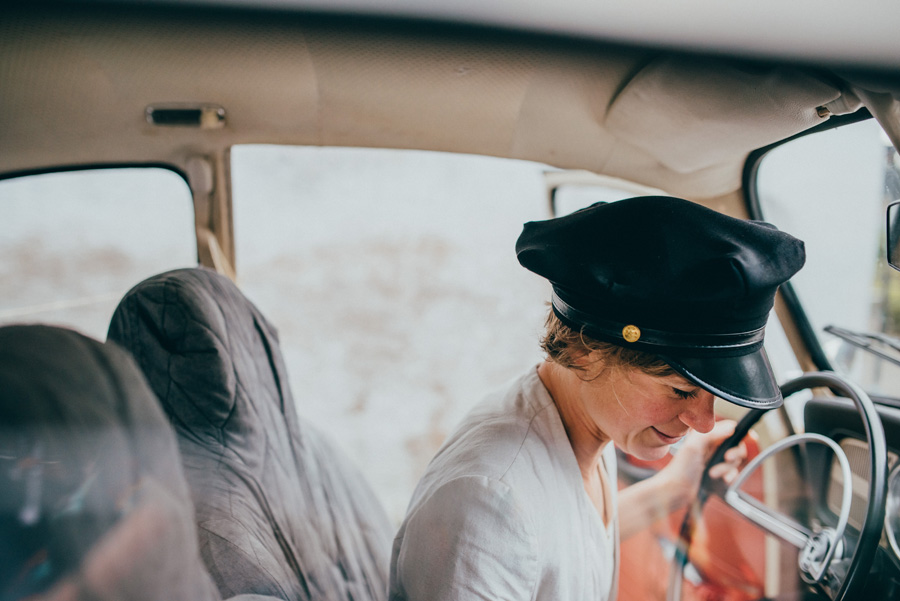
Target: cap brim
747	380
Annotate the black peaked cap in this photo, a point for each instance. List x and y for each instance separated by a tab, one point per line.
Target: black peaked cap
673	278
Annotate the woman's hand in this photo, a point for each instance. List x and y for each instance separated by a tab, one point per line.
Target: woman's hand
685	470
676	485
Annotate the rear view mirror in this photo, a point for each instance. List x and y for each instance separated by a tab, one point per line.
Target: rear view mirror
893	235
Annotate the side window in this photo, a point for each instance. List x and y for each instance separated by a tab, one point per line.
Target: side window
73	243
830	189
393	281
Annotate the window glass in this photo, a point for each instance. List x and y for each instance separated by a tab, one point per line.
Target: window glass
830	189
73	243
570	191
392	279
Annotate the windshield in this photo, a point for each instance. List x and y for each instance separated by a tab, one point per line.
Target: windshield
831	190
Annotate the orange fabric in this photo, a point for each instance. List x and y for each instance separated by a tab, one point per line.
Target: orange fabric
727	550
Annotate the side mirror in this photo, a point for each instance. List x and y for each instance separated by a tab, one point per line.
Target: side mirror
893	235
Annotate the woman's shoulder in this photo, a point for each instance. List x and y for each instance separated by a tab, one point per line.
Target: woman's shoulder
493	434
511	413
472	534
491	500
515	438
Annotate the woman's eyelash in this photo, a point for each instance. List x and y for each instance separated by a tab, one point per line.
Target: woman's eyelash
685	394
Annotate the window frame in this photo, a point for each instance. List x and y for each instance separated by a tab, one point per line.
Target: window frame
754	210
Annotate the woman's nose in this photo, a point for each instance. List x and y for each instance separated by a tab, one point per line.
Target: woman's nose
699	415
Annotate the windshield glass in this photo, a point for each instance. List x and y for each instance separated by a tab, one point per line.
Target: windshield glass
831	190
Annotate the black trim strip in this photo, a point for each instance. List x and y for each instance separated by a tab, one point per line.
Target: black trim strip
656	340
93	167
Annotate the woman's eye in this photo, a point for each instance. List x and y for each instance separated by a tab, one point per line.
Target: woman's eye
685	394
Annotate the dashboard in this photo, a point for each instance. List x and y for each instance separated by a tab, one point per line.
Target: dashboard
837	419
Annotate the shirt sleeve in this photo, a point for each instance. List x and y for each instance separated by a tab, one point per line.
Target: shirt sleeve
469	541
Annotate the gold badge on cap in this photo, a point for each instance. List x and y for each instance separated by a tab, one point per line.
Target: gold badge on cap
631	333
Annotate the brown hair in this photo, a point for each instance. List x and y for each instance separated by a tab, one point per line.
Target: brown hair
568	347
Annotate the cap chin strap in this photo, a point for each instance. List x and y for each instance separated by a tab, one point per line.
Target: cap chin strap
657	341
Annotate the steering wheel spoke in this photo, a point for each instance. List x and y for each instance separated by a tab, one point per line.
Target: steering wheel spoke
773	522
817	549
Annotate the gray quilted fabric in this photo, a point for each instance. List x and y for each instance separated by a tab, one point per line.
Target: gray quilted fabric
279	509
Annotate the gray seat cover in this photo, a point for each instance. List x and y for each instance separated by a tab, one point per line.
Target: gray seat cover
279	510
93	500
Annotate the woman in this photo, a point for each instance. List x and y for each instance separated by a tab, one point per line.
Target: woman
659	306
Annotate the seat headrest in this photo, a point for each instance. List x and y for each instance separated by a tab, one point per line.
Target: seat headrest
202	346
90	478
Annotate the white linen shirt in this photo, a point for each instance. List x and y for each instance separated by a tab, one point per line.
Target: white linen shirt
501	512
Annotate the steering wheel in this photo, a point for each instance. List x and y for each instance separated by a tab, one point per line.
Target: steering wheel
822	562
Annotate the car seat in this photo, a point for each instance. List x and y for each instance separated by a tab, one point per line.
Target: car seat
280	511
93	501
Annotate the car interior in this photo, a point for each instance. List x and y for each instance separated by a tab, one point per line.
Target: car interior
282	124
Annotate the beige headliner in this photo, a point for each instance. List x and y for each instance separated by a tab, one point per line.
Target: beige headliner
74	87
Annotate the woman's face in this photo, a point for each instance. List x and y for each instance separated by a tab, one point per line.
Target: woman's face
644	414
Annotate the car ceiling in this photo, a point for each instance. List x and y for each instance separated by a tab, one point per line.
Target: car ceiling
75	82
861	33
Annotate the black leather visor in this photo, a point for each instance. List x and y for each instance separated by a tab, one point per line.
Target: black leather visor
747	380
